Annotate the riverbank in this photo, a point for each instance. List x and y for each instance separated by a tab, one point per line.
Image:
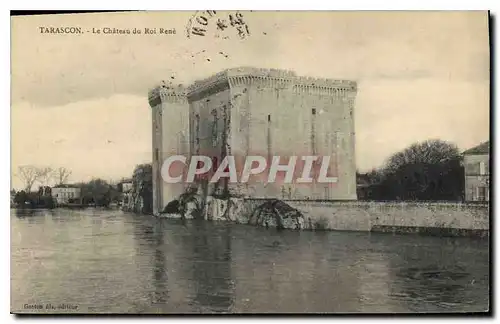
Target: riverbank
424	218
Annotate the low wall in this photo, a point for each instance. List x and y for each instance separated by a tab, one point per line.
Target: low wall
429	218
424	217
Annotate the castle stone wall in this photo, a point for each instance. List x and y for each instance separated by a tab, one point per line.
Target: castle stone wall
170	124
275	112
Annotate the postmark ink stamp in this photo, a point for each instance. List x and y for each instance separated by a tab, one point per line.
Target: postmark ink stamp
217	24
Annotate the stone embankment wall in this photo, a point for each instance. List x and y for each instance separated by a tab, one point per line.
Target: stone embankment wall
432	218
427	217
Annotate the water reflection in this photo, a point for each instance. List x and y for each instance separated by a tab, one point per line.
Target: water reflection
31	214
150	241
211	263
190	265
314	272
440	275
109	261
160	275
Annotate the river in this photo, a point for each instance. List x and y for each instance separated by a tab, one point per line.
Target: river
109	261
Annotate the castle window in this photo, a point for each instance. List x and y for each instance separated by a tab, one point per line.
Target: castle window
214	128
214	163
268	118
314	111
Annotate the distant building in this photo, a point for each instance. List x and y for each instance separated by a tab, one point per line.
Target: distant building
477	172
125	185
126	190
64	192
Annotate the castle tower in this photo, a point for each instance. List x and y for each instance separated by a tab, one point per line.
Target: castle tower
250	111
170	122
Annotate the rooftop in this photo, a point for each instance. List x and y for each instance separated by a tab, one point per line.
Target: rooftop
66	186
483	148
178	91
283	75
128	180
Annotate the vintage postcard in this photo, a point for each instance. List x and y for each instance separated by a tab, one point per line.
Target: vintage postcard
178	162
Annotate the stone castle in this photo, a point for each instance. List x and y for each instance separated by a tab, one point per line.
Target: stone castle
250	111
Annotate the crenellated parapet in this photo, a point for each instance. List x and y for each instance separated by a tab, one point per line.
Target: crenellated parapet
167	93
245	76
269	78
259	72
200	88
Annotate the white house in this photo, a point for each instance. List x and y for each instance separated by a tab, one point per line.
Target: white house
64	192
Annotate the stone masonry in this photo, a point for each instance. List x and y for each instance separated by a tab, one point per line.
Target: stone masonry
170	137
265	112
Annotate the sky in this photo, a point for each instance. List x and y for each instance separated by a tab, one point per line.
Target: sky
80	101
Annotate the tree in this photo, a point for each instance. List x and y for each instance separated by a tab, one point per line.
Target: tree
28	174
427	152
61	175
44	191
367	183
430	170
142	186
45	174
97	191
21	198
33	200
